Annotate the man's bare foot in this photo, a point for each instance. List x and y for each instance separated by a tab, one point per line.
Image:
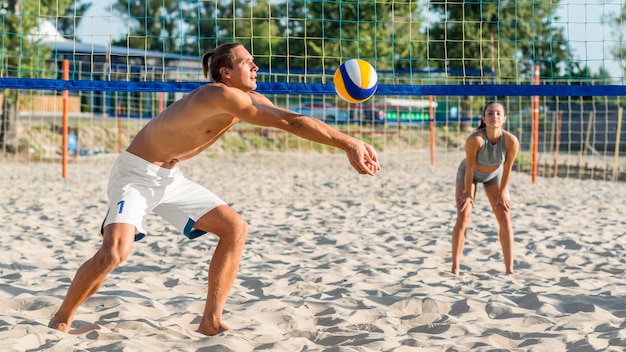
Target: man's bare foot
455	271
58	325
206	329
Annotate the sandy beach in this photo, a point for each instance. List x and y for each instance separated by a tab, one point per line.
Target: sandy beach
334	261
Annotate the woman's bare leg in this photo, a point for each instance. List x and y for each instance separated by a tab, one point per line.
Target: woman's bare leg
505	232
459	231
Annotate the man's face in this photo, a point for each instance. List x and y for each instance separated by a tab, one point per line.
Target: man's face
243	73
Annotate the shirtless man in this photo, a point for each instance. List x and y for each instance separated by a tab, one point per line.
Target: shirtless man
145	178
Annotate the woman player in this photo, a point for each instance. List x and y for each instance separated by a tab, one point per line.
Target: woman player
489	155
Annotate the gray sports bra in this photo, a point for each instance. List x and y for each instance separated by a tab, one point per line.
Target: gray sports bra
491	154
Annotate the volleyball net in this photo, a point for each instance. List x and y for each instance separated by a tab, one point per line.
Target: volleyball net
79	78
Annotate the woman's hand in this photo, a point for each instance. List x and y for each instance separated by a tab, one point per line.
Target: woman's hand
503	201
463	201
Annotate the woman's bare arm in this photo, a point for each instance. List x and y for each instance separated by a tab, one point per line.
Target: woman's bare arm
512	149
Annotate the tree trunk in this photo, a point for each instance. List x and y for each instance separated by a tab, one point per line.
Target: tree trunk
467	111
8	126
8	121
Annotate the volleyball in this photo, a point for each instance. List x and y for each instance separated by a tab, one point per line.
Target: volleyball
355	81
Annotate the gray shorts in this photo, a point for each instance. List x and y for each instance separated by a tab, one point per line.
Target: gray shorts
491	178
138	187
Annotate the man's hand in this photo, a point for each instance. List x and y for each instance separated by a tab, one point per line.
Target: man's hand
364	159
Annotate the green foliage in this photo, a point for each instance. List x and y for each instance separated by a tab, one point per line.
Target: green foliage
250	138
523	161
21	54
387	34
154	24
68	23
617	22
508	37
282	35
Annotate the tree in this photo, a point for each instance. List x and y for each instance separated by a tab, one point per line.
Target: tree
310	35
387	34
254	24
201	34
508	38
153	24
617	22
70	20
21	56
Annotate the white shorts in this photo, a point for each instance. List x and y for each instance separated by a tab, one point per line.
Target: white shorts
138	187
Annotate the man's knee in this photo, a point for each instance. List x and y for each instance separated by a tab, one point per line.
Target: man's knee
225	223
116	246
240	230
109	258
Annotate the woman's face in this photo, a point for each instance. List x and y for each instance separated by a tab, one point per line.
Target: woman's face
494	115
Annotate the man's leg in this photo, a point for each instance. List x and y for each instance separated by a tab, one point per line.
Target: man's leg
116	245
232	231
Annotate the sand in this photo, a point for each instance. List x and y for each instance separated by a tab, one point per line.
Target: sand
334	261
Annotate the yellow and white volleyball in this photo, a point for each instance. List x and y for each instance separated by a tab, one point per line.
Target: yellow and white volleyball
355	81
